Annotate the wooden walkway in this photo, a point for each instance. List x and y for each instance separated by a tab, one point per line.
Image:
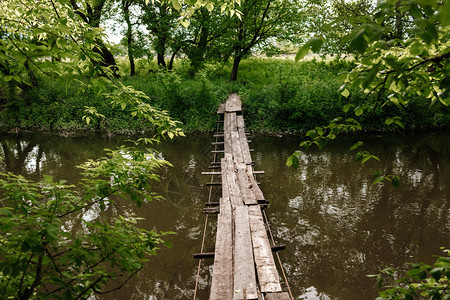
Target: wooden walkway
244	267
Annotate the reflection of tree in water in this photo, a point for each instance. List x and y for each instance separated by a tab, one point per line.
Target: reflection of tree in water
17	156
37	154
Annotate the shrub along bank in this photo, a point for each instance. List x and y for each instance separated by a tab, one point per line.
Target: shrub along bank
278	95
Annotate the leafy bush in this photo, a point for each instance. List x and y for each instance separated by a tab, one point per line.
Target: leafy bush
279	95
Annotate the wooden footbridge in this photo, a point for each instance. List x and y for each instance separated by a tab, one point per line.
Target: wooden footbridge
244	265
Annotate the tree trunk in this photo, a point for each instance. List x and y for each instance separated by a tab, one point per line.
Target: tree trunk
161	61
171	60
197	50
31	75
126	12
92	17
107	57
234	71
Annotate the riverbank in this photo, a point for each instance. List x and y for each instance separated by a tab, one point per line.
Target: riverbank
279	97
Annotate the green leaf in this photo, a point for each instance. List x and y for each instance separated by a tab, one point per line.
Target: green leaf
347	107
346	93
399	123
293	161
436	273
316	43
395	181
445	101
389	121
358	42
176	4
417	48
302	52
356	145
359	111
444	13
5	211
371	76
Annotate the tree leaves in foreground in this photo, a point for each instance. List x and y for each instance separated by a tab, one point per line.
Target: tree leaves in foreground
51	248
402	51
57	240
421	281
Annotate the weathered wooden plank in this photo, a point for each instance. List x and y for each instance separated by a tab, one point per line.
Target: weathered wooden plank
254	185
221	108
222	279
245	286
227	135
244	146
269	280
233	103
235	191
225	162
240	122
233	122
277	296
236	146
248	196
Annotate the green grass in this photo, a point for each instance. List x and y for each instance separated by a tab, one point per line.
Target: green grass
278	95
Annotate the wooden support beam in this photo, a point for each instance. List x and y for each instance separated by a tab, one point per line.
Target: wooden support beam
219	122
211	254
217	143
277	296
277	248
211	210
210	173
214	183
217	151
212	203
203	255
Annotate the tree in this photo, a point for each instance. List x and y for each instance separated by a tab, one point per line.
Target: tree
44	255
129	33
90	11
162	22
401	49
257	24
402	52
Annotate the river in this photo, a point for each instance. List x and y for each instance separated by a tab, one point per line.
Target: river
336	225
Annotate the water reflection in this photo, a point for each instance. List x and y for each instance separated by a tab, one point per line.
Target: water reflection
337	226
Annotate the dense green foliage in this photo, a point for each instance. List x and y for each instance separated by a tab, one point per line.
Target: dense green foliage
420	281
279	96
45	254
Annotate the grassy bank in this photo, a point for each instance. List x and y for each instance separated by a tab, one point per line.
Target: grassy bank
278	95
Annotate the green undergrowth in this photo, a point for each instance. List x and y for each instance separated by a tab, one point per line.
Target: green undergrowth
278	95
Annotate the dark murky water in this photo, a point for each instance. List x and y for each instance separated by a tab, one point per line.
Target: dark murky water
337	226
